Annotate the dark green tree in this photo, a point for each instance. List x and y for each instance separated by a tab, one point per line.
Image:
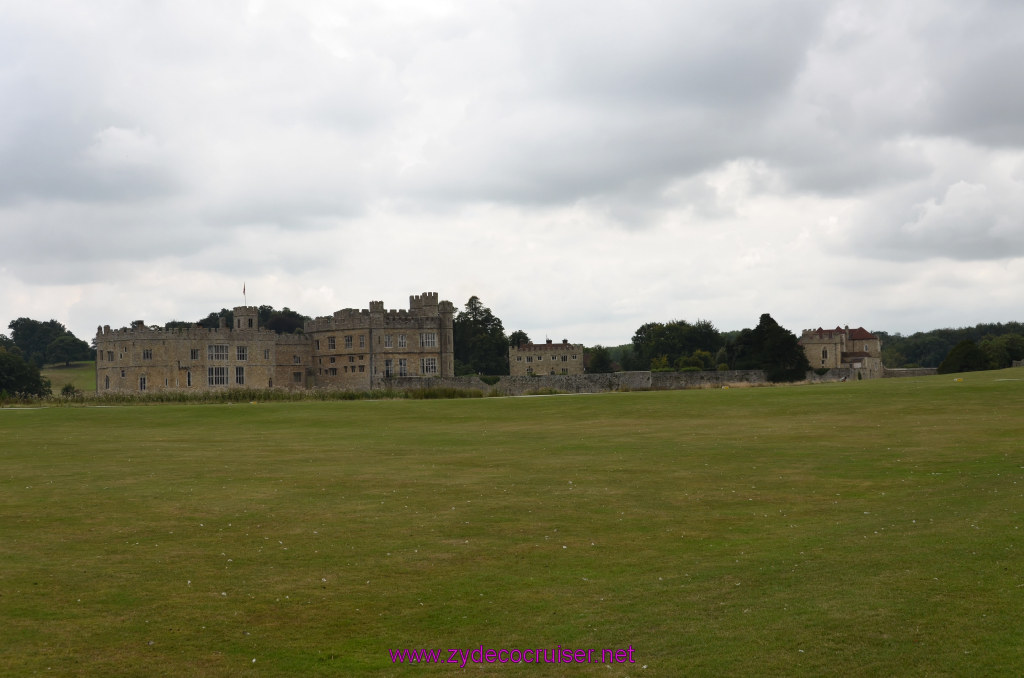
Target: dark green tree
518	338
674	340
34	337
481	346
66	348
600	360
769	347
18	376
965	357
212	321
285	321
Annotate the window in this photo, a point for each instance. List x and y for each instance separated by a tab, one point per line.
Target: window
194	354
388	367
332	360
217	376
188	378
266	354
147	354
297	377
122	373
362	368
110	355
332	371
250	323
403	367
240	375
331	345
428	365
529	358
565	358
387	341
565	370
519	358
428	339
348	341
217	352
241	353
142	383
401	341
351	358
362	341
106	381
824	354
318	344
296	360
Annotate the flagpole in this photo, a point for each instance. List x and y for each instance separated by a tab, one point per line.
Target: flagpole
245	299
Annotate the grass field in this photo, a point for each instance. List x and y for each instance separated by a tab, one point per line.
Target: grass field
860	529
81	375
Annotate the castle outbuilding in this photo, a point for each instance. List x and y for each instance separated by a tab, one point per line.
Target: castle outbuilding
351	350
855	349
545	359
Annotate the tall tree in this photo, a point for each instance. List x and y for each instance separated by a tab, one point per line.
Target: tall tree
66	348
769	347
965	357
20	377
599	360
34	338
481	346
518	338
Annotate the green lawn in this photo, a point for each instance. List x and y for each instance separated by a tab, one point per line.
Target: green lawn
81	375
860	529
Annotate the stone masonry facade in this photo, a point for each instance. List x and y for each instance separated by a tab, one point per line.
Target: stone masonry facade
351	350
855	349
545	359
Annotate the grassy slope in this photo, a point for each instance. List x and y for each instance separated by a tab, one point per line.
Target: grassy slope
867	528
80	374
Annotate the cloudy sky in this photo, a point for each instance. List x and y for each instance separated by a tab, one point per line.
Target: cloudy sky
583	167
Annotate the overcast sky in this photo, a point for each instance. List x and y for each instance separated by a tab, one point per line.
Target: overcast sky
583	167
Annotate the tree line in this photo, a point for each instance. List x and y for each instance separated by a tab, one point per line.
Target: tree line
32	344
481	346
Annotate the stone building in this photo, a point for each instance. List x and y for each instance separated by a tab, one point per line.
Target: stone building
352	350
856	349
545	359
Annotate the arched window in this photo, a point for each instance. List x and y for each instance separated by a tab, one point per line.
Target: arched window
106	381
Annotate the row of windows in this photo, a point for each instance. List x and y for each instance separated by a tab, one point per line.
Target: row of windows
214	352
565	370
540	358
333	371
427	340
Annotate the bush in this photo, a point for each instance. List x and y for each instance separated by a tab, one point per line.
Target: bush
965	357
490	380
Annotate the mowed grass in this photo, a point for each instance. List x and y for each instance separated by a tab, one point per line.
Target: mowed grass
81	375
857	529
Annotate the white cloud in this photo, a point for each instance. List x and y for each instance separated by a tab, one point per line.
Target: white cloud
582	167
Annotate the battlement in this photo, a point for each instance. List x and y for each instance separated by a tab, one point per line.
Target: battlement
139	330
425	305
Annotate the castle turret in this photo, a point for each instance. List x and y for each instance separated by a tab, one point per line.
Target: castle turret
246	317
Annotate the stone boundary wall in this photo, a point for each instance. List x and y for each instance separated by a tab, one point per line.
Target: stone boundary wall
603	383
889	373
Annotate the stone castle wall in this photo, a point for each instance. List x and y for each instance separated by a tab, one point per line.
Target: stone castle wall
350	350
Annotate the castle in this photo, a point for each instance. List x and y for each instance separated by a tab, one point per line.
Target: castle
856	349
545	359
352	350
